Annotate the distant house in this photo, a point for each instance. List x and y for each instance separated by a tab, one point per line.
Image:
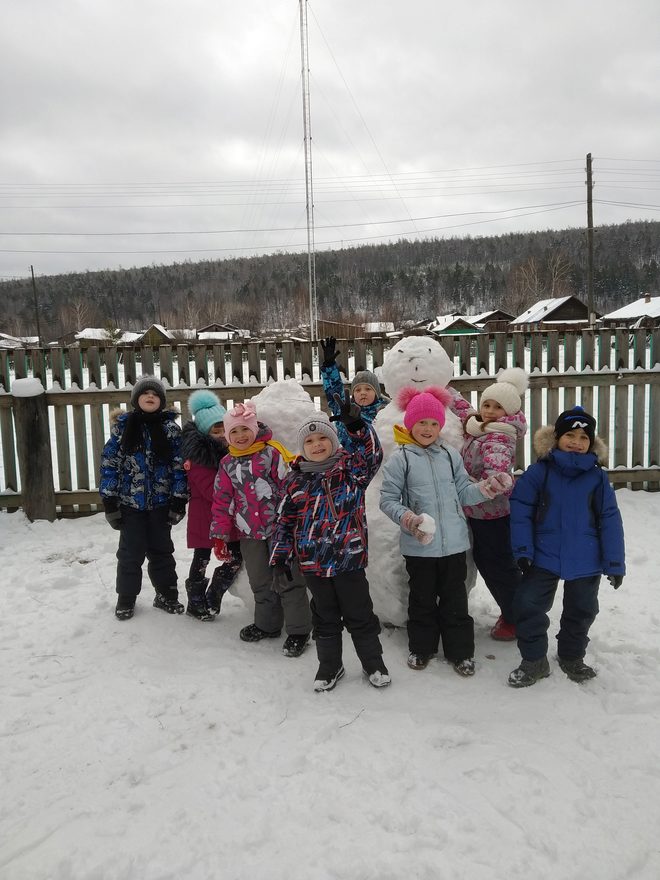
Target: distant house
644	312
99	336
64	340
10	342
563	312
492	322
338	329
453	325
377	328
217	332
155	336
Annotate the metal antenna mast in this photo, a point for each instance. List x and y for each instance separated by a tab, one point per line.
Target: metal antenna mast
309	187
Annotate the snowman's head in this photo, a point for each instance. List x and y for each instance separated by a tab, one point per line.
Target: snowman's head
417	361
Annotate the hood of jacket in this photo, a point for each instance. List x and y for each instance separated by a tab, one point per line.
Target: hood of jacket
201	448
545	442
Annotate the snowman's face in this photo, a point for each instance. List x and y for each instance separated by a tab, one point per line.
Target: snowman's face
418	361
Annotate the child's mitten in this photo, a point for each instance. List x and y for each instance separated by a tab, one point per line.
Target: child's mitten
495	485
222	551
616	580
177	511
112	513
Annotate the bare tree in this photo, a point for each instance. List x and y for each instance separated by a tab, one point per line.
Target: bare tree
559	272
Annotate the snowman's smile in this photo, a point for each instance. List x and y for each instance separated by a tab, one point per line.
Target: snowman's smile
418	380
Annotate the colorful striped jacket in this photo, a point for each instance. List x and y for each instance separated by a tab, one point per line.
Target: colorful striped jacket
322	515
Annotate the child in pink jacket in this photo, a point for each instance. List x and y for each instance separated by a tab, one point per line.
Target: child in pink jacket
202	448
489	448
246	496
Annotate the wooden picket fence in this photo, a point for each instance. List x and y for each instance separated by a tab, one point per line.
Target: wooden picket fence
613	373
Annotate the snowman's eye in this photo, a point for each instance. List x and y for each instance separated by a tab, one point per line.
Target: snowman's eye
400	350
429	351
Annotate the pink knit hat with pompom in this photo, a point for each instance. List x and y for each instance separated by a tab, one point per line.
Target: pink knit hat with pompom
242	414
427	404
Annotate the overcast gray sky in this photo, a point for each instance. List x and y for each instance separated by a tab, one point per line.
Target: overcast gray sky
145	132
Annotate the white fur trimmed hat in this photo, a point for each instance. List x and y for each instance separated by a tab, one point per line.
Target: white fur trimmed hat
317	424
507	390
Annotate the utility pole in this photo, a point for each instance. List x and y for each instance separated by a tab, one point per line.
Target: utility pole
36	305
590	244
309	188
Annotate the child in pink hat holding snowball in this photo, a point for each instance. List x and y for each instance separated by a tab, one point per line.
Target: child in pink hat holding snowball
425	487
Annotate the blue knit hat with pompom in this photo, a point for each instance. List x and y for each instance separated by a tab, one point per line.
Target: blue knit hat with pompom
206	410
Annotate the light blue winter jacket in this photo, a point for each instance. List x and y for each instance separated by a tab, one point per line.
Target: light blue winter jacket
429	480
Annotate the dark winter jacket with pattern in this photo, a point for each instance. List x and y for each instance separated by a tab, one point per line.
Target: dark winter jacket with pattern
138	479
322	515
201	460
564	515
332	384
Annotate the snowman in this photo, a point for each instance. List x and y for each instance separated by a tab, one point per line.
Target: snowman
417	362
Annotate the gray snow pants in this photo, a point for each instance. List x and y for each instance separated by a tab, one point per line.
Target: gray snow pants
275	605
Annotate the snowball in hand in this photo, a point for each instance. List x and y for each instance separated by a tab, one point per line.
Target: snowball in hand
427	524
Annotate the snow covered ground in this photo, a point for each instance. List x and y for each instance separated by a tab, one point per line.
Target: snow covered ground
166	748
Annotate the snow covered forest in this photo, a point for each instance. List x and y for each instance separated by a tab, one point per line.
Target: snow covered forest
408	280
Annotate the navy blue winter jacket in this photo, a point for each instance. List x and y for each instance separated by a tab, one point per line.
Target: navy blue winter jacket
564	517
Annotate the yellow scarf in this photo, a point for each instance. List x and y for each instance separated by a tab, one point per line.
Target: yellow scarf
258	445
402	436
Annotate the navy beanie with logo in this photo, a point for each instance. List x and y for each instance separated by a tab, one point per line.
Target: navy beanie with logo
574	418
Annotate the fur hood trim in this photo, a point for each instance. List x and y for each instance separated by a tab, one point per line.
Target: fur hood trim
200	448
545	441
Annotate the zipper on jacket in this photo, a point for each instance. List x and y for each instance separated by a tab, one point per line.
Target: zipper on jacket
437	498
331	503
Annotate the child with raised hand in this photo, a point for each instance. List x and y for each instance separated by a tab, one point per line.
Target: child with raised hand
365	391
144	492
322	522
203	446
246	496
425	486
565	524
489	448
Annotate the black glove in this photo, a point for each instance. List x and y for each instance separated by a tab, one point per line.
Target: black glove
112	513
524	564
330	353
282	577
349	412
616	580
176	512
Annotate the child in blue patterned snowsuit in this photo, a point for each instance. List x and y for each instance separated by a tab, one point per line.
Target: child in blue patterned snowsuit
322	522
365	391
144	491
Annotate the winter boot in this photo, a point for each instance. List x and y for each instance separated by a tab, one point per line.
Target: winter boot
464	667
295	645
503	631
377	673
252	633
197	600
168	600
328	650
125	607
323	682
418	661
529	672
222	579
576	670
